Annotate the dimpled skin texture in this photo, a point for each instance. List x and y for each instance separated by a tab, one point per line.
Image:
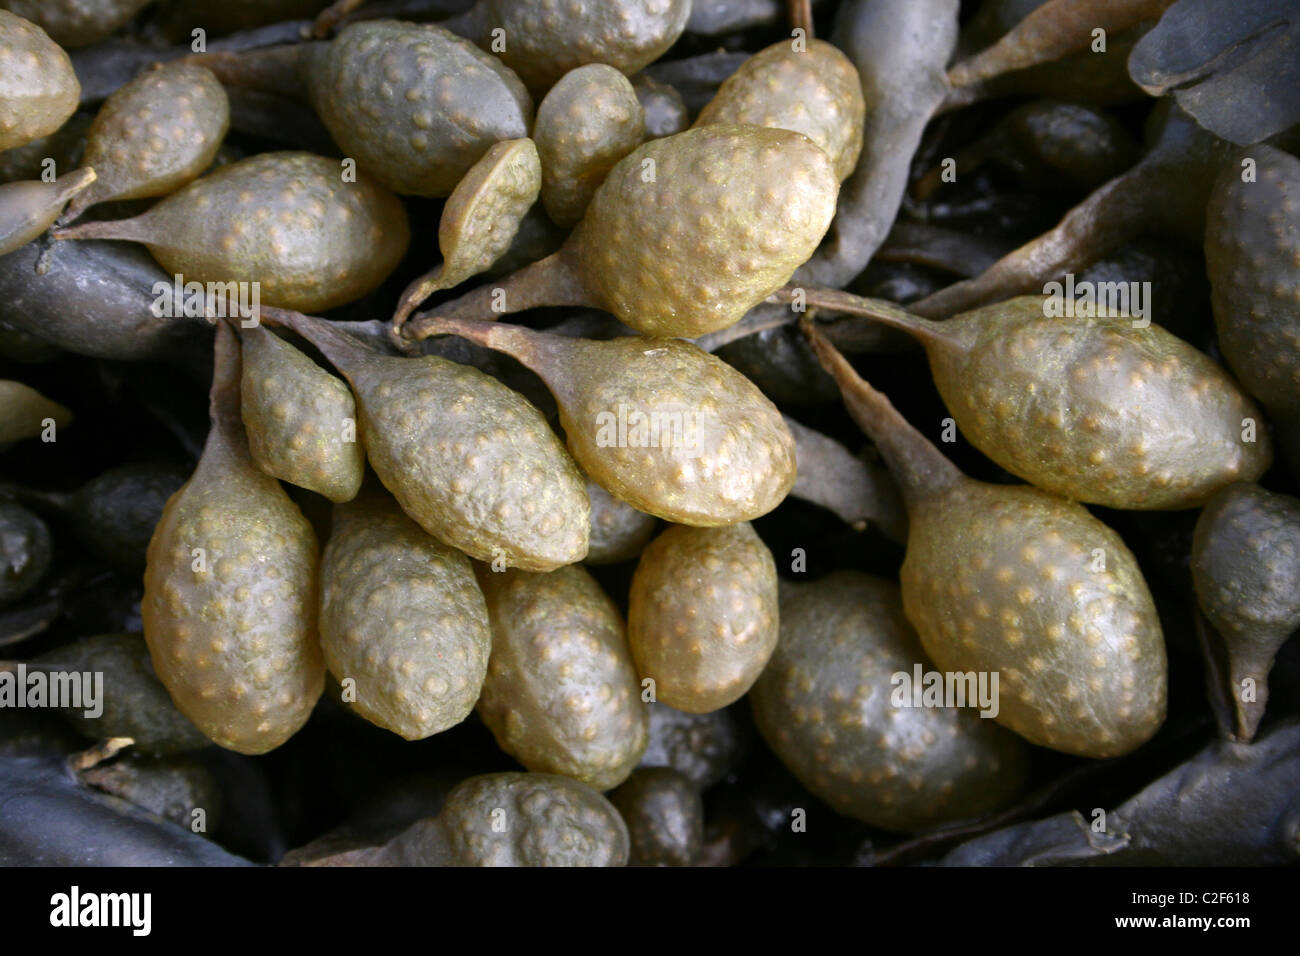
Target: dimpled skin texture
713	449
730	213
414	104
1097	410
544	39
824	705
286	220
73	23
38	88
235	644
1252	255
702	747
618	531
562	694
702	615
484	211
297	417
1246	566
402	615
155	134
816	91
544	820
1001	578
472	461
588	121
664	815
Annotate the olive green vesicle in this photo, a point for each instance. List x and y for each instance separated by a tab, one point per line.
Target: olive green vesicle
544	40
402	619
826	704
287	221
509	819
562	694
1252	256
470	460
1013	579
26	413
702	615
481	219
77	23
230	594
588	121
658	422
154	135
29	207
415	105
1246	566
670	245
38	88
1106	410
301	421
135	704
809	87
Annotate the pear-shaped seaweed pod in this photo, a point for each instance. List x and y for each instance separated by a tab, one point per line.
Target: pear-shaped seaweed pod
286	224
414	104
29	207
1252	256
1023	582
1246	567
1107	410
39	90
659	422
811	88
301	420
154	135
562	694
229	604
702	615
470	460
544	39
686	234
76	23
588	122
403	618
481	219
830	707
